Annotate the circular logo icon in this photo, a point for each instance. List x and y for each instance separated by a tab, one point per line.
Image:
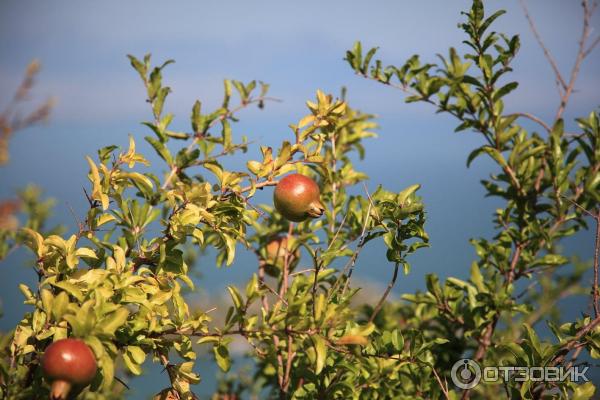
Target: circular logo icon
466	373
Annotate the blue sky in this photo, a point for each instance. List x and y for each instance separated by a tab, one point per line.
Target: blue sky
297	47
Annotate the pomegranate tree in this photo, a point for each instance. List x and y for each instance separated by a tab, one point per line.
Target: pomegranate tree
123	280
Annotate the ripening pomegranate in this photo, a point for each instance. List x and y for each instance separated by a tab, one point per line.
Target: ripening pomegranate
67	363
276	251
297	197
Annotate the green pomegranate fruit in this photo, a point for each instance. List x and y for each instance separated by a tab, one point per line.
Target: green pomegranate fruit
68	363
296	197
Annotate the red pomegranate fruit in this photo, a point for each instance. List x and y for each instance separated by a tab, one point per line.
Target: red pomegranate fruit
297	197
67	363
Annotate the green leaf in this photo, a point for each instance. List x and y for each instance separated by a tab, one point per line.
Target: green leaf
197	119
397	340
222	357
178	135
551	259
96	346
368	57
354	57
57	242
70	289
584	391
47	299
533	339
184	370
208	339
130	363
238	302
406	193
26	291
107	369
504	90
476	277
157	105
160	149
252	287
138	66
321	352
85	252
472	81
136	354
226	92
59	305
229	249
35	241
495	154
226	133
114	321
473	155
489	21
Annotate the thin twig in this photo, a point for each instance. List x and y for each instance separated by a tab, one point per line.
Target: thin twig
591	47
574	357
317	263
583	209
596	255
337	232
513	263
263	283
261	279
595	294
333	184
77	221
527	289
303	271
280	370
581	54
574	342
168	367
533	118
286	262
260	185
122	382
544	309
484	342
349	268
443	386
560	81
385	294
223	153
285	379
288	367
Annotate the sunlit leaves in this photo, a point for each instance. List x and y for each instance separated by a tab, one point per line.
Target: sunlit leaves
121	280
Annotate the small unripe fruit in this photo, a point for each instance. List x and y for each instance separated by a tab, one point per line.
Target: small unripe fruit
276	251
67	363
297	197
